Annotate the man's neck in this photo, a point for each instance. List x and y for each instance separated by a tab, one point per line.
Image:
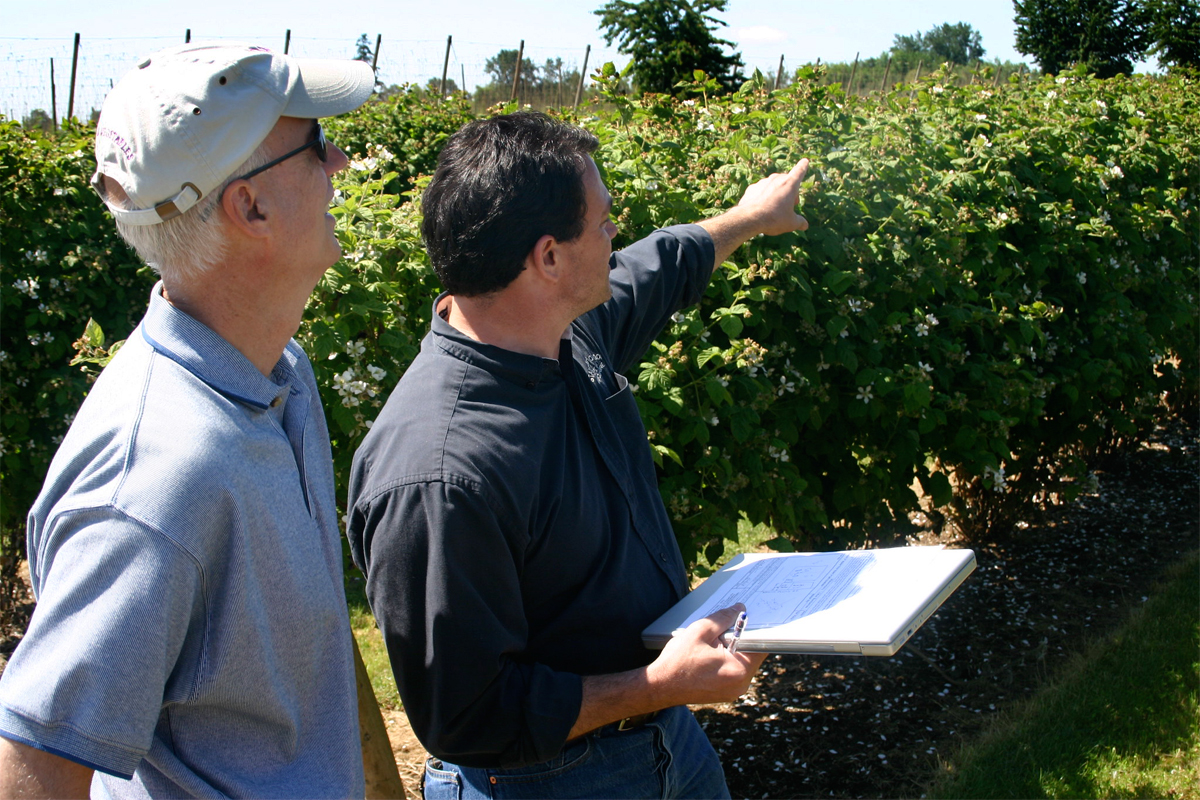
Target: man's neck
505	322
257	323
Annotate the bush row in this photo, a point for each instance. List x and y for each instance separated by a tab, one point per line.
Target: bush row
997	281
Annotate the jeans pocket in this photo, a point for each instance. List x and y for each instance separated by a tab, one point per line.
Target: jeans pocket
571	758
440	784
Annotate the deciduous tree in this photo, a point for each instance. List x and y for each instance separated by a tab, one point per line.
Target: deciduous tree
958	43
503	67
1175	31
669	40
1106	36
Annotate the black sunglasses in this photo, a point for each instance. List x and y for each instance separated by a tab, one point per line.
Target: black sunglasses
319	143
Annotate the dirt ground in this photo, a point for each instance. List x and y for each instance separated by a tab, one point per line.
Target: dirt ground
839	726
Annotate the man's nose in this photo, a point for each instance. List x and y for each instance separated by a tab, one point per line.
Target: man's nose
335	160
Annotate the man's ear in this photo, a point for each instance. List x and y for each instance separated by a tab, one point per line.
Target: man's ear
244	207
545	260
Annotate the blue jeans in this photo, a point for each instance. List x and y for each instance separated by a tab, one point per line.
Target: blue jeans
667	757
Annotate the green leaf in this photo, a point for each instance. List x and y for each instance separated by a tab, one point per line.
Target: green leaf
93	333
937	486
731	325
669	453
838	281
718	393
706	355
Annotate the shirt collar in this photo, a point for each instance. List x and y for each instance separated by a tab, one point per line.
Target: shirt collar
517	367
202	352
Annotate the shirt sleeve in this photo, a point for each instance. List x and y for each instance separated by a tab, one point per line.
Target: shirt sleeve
89	679
444	584
651	280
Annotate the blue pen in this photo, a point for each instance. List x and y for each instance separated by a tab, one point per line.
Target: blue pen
738	627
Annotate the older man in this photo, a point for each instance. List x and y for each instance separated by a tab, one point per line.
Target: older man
191	636
505	506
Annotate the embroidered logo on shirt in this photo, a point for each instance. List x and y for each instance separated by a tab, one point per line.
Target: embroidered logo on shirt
593	365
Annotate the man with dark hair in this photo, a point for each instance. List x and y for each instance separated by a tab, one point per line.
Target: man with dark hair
504	506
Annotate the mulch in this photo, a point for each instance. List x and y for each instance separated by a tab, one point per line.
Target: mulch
839	726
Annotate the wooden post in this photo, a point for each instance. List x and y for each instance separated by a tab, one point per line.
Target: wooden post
53	99
917	79
187	37
999	69
517	71
445	66
886	71
74	67
582	75
379	765
375	58
779	72
287	41
462	74
853	69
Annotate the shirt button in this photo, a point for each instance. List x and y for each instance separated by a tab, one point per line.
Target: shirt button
663	556
530	385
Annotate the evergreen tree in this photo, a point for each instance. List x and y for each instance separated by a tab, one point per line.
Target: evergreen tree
669	40
363	51
1106	36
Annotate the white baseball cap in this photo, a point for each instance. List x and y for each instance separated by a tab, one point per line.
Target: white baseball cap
176	127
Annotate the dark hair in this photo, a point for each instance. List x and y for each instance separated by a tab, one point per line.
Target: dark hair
500	185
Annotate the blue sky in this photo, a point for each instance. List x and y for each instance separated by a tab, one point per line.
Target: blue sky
414	34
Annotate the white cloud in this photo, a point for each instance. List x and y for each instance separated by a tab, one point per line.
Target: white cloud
759	34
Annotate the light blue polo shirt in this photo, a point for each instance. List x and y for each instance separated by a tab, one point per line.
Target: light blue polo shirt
191	634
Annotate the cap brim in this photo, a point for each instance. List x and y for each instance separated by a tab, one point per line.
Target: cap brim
327	87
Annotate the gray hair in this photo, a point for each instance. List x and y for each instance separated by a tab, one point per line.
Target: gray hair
195	241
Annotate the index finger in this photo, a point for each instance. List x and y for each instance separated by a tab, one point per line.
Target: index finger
718	622
800	170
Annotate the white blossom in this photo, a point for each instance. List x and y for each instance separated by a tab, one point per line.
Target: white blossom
997	476
865	393
27	285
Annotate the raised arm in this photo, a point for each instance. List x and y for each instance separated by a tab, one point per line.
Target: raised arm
768	206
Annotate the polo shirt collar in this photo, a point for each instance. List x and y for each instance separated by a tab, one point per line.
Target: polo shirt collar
519	368
202	352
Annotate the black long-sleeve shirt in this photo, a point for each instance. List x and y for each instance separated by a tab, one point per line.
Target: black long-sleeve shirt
505	510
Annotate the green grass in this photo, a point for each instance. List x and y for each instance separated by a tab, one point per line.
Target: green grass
1123	720
370	640
375	657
